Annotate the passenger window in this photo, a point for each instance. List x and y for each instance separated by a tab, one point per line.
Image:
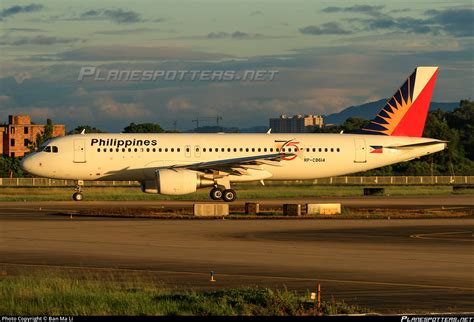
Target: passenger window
332	149
147	149
325	149
111	150
320	150
314	150
253	149
129	149
123	149
246	149
338	150
98	149
178	149
203	149
117	150
166	149
235	149
271	149
154	149
228	149
136	150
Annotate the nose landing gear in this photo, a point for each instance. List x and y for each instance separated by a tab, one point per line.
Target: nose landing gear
77	196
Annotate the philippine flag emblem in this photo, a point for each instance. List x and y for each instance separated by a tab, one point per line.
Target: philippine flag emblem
376	149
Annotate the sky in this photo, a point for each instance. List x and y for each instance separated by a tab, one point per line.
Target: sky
324	56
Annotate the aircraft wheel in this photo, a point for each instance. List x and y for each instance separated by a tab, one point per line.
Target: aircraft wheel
216	194
229	195
77	196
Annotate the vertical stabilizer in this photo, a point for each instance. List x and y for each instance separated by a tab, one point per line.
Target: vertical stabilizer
405	113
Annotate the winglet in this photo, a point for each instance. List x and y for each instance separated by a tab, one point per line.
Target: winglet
83	131
269	131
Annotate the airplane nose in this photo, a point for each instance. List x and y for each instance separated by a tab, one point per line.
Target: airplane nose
26	164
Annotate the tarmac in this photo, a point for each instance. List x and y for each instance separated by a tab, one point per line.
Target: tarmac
394	266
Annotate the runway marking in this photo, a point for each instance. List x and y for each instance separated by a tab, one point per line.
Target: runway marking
459	288
434	236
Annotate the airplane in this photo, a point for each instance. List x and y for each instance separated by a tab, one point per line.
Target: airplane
181	163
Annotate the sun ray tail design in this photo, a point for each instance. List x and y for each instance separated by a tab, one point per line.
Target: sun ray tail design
405	113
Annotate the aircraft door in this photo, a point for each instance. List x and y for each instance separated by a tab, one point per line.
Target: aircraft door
360	151
79	150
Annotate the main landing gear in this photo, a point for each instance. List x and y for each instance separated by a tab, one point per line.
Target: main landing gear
77	196
219	192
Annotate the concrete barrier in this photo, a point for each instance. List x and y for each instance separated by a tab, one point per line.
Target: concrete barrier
211	209
292	210
323	208
252	208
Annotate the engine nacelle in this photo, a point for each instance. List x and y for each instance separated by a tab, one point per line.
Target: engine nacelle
176	182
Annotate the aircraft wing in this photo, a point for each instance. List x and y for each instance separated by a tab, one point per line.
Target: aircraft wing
236	166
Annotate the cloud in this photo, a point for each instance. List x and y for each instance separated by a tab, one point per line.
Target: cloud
456	22
256	13
234	35
38	40
114	15
129	53
179	104
109	108
329	28
364	9
405	24
24	29
11	11
125	31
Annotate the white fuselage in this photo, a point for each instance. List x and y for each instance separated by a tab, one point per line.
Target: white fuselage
101	157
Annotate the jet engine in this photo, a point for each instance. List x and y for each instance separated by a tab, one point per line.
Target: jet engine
176	182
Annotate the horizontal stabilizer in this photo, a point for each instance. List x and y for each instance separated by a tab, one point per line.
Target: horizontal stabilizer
415	145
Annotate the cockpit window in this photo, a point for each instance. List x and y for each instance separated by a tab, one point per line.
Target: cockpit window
50	148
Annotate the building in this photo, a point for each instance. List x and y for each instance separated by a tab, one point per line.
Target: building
296	124
18	135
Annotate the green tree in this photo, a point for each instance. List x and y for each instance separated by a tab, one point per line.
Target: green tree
143	128
41	138
88	128
10	167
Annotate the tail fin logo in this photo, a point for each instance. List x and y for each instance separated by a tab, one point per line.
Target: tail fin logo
405	113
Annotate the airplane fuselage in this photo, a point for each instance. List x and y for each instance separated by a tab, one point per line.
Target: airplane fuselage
136	156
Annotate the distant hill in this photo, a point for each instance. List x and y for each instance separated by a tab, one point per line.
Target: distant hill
215	129
369	110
